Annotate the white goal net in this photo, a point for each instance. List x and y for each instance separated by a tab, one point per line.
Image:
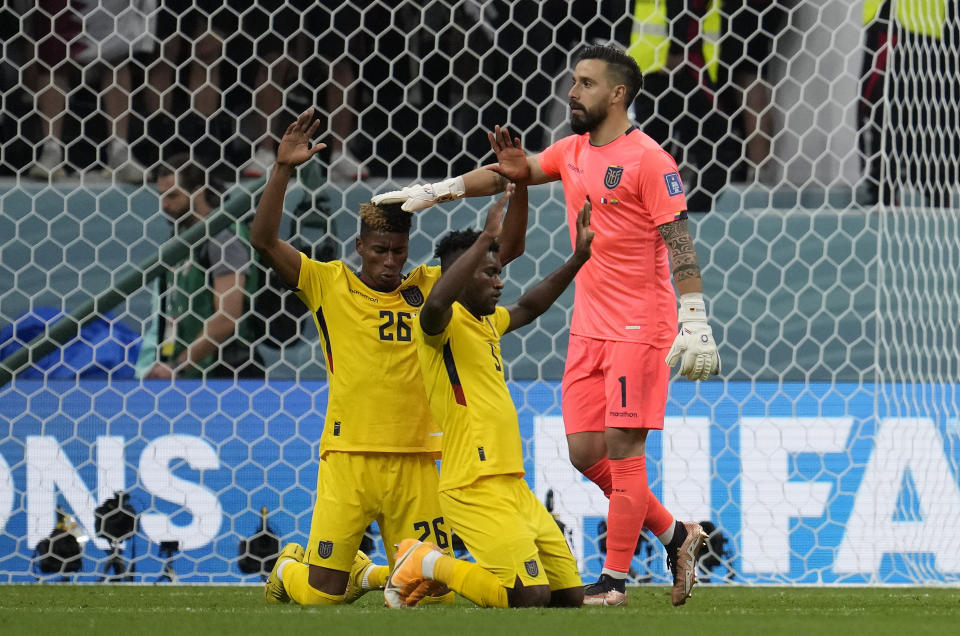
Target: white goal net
818	141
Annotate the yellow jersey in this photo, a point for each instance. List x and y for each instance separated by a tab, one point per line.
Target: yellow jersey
469	399
376	401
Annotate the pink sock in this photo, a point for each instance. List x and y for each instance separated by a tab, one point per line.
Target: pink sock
599	474
658	518
628	508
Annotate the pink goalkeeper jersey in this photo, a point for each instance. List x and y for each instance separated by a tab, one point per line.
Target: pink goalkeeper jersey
624	292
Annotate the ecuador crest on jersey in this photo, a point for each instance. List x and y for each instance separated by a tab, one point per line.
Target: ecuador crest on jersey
412	295
612	178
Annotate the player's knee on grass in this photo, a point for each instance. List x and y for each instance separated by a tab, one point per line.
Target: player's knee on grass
532	596
569	597
328	581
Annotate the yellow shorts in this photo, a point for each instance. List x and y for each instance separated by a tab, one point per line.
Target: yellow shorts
398	491
510	533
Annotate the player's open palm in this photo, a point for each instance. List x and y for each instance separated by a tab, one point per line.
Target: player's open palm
583	247
511	159
295	146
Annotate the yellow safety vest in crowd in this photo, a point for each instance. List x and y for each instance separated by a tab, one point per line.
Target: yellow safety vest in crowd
924	17
650	37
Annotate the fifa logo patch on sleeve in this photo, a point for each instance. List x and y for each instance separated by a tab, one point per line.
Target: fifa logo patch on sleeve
674	185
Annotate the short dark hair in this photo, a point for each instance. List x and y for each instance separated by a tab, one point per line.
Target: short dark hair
455	243
620	65
389	217
188	175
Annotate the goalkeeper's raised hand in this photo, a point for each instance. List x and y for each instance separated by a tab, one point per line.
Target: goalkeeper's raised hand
694	346
419	196
511	159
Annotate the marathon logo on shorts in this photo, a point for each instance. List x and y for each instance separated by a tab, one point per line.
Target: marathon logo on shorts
612	179
412	295
325	549
674	185
531	567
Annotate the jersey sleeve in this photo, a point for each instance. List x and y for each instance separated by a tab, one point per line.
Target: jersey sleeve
551	159
500	319
434	341
313	278
661	189
431	274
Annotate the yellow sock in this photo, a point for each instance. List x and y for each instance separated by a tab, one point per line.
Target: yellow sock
445	599
470	581
296	580
377	576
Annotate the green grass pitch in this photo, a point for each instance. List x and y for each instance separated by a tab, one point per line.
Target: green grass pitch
107	610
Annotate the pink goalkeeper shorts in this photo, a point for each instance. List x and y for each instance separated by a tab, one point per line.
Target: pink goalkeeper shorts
613	384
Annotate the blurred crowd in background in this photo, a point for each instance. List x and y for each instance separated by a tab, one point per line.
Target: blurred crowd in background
113	87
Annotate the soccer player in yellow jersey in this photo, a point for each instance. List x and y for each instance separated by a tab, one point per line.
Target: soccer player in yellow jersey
379	446
522	558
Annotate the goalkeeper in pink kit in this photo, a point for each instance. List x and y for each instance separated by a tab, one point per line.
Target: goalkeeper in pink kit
624	322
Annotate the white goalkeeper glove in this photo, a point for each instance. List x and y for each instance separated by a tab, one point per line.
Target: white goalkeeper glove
418	197
694	346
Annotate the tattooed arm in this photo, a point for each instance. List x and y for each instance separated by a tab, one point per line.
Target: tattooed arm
694	347
683	256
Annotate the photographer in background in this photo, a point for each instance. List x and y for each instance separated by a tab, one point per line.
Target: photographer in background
116	521
61	551
202	325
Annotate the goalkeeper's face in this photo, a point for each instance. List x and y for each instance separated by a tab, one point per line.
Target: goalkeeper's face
382	257
589	97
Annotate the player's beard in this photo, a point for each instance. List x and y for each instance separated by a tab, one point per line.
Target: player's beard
587	122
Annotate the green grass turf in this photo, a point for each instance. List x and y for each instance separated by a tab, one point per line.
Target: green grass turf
108	610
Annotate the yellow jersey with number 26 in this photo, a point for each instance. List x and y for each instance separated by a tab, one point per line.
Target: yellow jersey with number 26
376	400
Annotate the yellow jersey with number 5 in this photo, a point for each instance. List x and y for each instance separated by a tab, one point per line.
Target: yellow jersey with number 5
376	400
469	398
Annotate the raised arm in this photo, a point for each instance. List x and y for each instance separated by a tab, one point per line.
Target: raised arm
512	165
513	235
694	346
293	150
437	309
538	299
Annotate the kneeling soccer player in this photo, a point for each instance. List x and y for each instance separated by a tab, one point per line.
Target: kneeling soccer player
379	445
522	558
